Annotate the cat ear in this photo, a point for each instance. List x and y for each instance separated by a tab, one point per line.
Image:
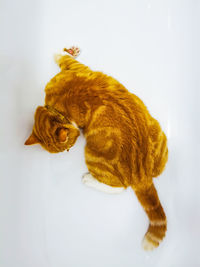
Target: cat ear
32	140
63	135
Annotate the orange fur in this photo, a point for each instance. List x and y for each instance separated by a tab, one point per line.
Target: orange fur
125	146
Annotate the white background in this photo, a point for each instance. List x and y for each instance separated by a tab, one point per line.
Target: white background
47	217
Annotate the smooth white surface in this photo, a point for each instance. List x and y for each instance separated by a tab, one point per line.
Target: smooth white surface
48	217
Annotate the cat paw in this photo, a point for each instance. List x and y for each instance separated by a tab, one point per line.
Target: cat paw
73	51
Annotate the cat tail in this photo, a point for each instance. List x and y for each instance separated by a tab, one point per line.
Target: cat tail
158	224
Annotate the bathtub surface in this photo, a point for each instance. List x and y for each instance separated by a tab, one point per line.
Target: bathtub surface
48	217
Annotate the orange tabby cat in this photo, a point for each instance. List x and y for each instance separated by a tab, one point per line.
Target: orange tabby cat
125	146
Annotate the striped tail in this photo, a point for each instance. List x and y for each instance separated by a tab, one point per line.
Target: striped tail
158	223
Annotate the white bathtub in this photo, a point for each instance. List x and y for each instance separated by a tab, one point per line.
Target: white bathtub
48	218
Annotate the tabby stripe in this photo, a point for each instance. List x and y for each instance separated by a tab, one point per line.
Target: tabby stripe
156	214
153	237
91	162
132	119
158	223
162	149
105	166
92	156
38	122
47	127
158	230
107	130
100	163
96	114
101	172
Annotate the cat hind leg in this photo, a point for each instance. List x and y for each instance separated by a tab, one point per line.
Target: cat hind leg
90	181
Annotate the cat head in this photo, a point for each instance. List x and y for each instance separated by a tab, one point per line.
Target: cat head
52	131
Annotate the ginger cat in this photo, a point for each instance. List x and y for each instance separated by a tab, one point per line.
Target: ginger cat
125	146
